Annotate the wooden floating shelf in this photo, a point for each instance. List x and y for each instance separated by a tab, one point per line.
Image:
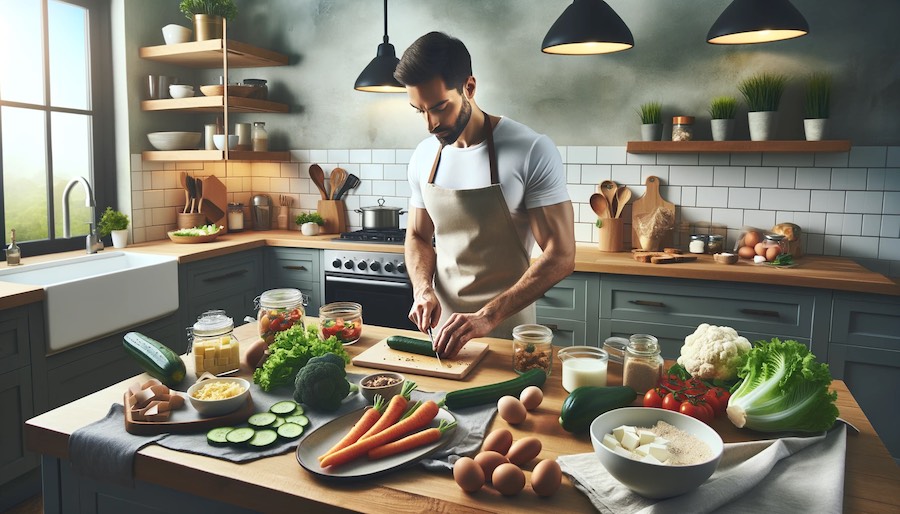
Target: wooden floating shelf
214	104
214	155
208	54
737	146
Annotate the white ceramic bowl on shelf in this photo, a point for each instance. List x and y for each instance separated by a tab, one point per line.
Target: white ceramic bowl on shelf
168	141
219	141
181	91
174	34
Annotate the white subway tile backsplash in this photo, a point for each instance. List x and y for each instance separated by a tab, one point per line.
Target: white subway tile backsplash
371	172
714	159
360	156
678	159
815	244
852	225
891	203
403	156
563	153
404	189
291	170
787	177
849	178
743	198
318	156
688	196
300	156
712	197
875	179
868	156
890	226
383	188
826	201
339	156
813	178
889	249
834	223
696	215
661	172
398	172
794	199
760	219
611	155
788	159
593	173
871	225
581	193
832	245
892	179
864	201
728	176
581	154
731	218
691	175
746	159
584	231
856	246
640	158
625	174
761	177
832	160
584	213
383	156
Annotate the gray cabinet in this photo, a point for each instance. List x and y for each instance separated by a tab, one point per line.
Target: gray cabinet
297	268
570	308
229	283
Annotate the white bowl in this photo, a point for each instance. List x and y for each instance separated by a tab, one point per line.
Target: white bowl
168	141
210	408
219	141
181	91
388	391
174	34
655	480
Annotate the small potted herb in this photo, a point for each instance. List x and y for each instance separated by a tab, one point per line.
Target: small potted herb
818	99
721	112
310	223
207	16
651	121
115	223
762	92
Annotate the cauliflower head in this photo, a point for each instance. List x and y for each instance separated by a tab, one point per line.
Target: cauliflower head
713	352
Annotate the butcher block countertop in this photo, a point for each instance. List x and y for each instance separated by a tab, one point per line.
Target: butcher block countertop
821	272
279	484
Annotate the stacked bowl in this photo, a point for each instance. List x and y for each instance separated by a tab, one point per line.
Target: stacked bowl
181	91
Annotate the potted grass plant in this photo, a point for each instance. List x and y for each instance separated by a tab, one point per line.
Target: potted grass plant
721	112
310	223
762	92
207	16
114	223
651	121
818	99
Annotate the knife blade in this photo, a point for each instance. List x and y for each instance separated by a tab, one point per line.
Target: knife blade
431	336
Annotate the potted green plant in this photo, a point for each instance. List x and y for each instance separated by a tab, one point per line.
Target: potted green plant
721	112
762	92
207	16
651	121
115	223
310	223
818	99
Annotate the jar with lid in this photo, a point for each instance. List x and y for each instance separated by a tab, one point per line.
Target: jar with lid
583	366
279	310
213	344
715	243
698	243
260	137
532	348
235	217
615	349
774	241
682	128
643	363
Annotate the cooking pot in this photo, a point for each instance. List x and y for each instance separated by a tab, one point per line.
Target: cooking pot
381	217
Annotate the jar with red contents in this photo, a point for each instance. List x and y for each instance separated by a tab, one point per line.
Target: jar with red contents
279	310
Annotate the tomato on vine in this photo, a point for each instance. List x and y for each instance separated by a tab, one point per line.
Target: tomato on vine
654	398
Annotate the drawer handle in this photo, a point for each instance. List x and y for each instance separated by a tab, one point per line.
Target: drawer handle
552	326
295	268
647	303
758	312
232	274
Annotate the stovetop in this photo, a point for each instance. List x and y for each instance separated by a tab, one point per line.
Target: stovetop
388	236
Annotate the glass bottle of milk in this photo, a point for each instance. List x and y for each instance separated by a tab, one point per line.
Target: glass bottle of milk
583	366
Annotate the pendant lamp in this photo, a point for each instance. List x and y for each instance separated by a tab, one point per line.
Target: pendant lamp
378	76
587	27
757	21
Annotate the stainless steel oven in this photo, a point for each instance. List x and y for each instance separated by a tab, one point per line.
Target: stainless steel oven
376	280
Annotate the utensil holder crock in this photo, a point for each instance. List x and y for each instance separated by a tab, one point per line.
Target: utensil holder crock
611	234
334	212
190	220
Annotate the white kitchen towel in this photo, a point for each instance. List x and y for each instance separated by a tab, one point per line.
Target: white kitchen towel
790	474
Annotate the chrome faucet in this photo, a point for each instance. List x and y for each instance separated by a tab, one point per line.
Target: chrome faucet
93	243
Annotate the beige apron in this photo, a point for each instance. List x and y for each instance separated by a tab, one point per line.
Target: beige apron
479	253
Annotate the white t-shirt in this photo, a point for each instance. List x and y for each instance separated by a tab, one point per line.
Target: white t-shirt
529	166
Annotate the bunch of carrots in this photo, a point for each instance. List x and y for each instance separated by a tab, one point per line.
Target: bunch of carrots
388	428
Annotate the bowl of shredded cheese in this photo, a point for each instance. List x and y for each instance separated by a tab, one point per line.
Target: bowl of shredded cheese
218	396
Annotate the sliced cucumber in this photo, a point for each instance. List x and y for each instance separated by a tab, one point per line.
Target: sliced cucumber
283	408
290	431
240	435
278	422
262	419
299	410
217	436
263	438
298	419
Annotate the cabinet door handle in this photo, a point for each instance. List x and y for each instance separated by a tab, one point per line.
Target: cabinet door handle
232	274
551	326
295	268
647	303
758	312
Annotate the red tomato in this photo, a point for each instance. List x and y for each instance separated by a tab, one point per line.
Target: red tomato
295	315
697	409
654	398
717	398
350	331
670	403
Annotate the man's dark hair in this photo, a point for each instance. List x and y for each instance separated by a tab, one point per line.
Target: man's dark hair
435	55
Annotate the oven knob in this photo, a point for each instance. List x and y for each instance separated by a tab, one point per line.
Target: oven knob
362	265
389	267
348	264
336	263
401	268
375	266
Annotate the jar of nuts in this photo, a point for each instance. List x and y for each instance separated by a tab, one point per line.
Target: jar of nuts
682	128
532	348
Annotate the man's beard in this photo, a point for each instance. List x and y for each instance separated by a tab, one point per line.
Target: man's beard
465	114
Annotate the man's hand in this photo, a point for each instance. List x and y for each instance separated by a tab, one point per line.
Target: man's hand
459	330
426	310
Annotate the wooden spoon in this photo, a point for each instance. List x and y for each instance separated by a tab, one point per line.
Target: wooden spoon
623	196
600	205
182	179
317	174
337	179
608	189
199	184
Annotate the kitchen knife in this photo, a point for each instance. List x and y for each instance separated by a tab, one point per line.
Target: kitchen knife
431	336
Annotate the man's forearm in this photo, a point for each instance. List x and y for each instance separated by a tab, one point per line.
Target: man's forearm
420	264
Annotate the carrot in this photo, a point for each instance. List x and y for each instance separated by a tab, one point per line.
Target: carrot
412	409
394	410
365	422
420	419
410	442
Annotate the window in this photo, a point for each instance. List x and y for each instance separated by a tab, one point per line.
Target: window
55	119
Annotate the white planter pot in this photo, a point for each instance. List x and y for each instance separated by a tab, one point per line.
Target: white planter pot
651	131
722	130
762	125
119	238
815	128
309	229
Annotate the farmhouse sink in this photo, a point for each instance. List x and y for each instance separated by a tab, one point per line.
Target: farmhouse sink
95	295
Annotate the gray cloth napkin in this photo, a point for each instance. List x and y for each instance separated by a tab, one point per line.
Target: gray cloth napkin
790	474
104	451
465	439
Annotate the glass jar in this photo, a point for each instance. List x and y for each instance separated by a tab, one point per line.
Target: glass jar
277	311
615	349
697	244
342	320
583	366
643	363
260	137
774	240
213	344
682	128
235	217
715	244
532	348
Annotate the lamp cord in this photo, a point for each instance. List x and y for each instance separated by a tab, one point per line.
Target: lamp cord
385	22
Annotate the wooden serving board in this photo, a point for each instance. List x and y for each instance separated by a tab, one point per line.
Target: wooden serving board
185	419
381	356
215	201
647	204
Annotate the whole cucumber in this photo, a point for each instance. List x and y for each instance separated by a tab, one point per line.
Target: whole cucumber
584	404
157	359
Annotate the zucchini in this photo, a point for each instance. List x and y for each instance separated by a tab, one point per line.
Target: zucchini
408	344
157	359
481	395
585	403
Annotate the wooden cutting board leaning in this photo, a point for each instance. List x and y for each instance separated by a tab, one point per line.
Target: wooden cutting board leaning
646	205
380	356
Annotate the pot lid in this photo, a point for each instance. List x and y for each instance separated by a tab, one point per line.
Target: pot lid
381	207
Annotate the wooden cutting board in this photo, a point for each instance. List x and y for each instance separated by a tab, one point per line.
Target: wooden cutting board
381	356
185	419
215	201
647	204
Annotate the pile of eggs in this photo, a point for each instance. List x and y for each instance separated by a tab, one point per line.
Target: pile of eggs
752	245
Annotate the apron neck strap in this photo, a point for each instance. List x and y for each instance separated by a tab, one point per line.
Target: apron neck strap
488	133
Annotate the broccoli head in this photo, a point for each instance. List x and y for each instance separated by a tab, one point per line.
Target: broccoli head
333	358
321	386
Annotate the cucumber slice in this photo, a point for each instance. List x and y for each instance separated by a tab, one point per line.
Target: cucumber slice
290	431
262	419
298	419
278	422
263	438
217	436
299	410
240	435
282	408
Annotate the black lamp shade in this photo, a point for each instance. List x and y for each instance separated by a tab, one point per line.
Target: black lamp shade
757	21
587	27
378	76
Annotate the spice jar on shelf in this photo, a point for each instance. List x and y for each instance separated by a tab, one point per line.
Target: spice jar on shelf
643	363
260	137
532	348
682	128
715	243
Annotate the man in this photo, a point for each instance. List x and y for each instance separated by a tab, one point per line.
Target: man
485	188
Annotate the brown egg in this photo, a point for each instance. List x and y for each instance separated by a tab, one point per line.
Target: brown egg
255	355
772	252
546	477
489	462
751	238
511	409
468	475
498	441
531	397
760	249
508	479
746	252
524	450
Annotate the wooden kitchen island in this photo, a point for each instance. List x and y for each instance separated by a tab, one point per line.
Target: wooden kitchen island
170	481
